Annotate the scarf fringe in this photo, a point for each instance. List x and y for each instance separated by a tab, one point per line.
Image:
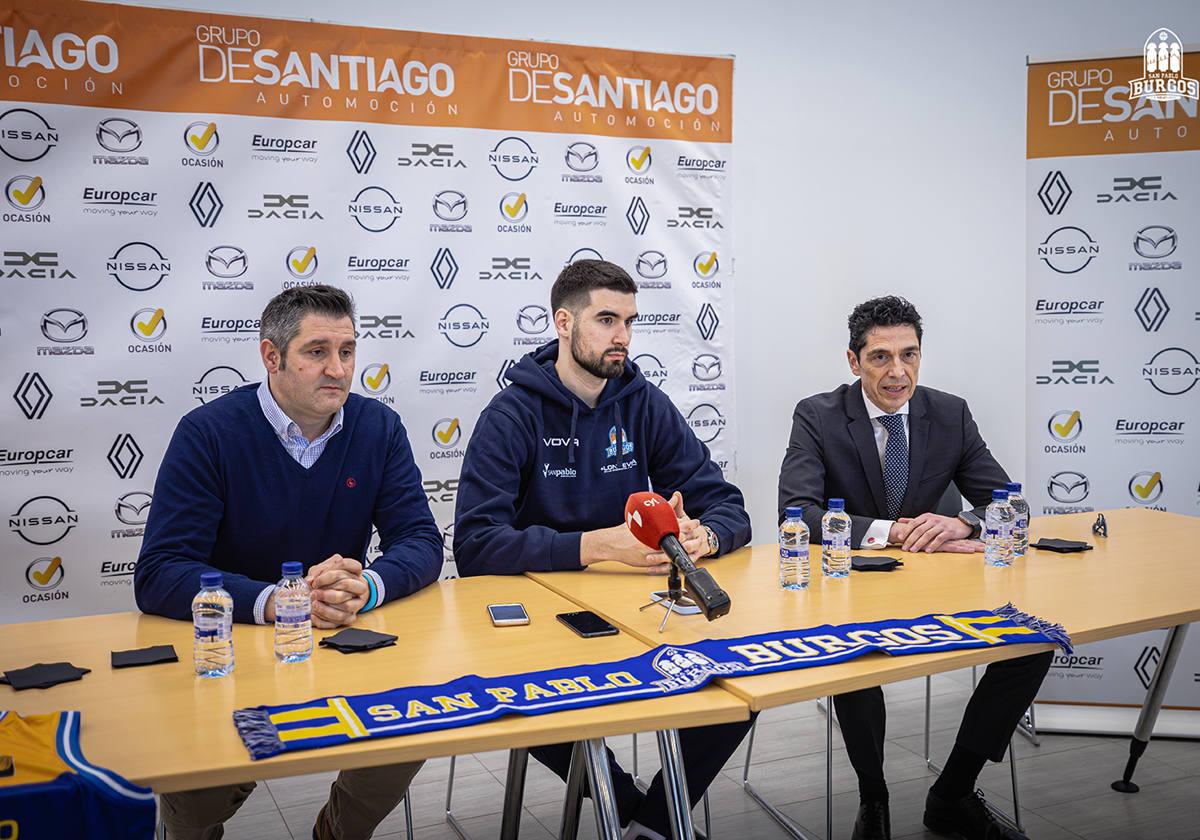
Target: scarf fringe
258	733
1055	631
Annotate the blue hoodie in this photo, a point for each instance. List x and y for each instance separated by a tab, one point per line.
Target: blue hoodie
542	467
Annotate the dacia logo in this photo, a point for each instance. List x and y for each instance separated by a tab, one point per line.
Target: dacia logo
277	206
695	217
510	268
38	265
434	156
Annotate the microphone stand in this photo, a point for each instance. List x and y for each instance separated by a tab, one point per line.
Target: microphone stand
673	596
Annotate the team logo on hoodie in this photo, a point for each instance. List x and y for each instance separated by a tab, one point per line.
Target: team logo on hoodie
626	444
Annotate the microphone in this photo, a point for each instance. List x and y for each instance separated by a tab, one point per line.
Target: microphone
651	519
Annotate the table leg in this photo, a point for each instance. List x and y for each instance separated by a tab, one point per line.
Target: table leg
608	824
568	829
514	794
679	806
1151	706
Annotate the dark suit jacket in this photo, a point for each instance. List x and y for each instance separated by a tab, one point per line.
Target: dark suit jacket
832	454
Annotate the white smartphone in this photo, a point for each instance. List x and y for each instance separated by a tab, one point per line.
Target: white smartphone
507	615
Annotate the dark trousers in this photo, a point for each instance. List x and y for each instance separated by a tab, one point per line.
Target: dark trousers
705	750
1001	698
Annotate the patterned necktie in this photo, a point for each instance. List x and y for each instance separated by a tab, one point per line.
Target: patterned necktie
895	462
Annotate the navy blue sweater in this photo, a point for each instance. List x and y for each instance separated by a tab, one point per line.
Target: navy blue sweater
542	467
228	496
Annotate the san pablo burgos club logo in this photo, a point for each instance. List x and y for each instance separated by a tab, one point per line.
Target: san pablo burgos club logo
1162	71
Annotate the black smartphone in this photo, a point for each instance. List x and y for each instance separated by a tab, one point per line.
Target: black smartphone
587	624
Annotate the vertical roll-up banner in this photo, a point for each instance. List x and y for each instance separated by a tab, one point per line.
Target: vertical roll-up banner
167	172
1113	336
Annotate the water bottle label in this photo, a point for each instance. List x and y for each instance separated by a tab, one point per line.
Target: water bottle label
209	629
990	533
827	543
1021	522
293	616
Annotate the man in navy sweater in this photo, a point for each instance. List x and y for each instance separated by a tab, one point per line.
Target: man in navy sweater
293	468
552	461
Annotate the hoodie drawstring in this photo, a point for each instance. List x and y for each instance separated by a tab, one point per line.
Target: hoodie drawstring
571	437
620	429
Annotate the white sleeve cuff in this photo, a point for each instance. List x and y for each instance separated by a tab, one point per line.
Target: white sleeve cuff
379	590
877	534
260	604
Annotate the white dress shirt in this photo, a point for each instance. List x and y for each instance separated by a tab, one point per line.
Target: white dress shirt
877	534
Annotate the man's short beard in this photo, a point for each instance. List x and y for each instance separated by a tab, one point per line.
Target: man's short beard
597	367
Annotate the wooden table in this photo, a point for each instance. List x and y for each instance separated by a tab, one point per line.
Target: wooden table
1142	577
163	727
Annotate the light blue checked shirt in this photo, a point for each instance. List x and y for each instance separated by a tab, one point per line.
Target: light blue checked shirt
305	453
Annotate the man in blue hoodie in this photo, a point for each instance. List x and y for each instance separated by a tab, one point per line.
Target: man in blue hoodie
292	468
552	461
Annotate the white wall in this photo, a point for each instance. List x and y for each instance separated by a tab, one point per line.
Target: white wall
879	147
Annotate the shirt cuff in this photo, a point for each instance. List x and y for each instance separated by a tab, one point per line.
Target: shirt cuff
877	534
260	604
378	590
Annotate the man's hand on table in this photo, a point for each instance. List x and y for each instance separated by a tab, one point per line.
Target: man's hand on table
339	591
930	532
619	544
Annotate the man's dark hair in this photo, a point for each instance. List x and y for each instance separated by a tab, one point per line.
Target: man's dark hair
889	311
573	288
281	319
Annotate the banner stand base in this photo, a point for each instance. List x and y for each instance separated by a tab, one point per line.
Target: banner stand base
1113	720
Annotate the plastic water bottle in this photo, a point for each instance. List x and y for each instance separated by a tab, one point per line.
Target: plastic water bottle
293	615
1021	523
835	540
793	550
998	530
212	620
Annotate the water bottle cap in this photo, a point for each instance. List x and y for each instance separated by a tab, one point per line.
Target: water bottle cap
796	512
1014	487
211	580
837	504
293	568
999	495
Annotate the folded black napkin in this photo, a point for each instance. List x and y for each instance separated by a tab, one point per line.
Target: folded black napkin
43	675
354	640
862	563
144	656
1061	546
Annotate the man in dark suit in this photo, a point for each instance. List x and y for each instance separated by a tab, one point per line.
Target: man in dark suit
891	450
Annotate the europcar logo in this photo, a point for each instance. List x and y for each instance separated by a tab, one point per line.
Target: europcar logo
513	159
25	135
1146	487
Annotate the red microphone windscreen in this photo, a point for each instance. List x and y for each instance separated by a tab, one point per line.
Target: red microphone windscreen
650	518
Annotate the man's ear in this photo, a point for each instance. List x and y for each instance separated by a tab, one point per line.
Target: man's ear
852	358
563	321
272	361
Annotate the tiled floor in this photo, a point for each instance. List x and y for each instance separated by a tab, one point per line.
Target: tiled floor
1064	784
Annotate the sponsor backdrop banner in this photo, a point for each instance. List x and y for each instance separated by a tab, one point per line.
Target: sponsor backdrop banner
166	173
1113	258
